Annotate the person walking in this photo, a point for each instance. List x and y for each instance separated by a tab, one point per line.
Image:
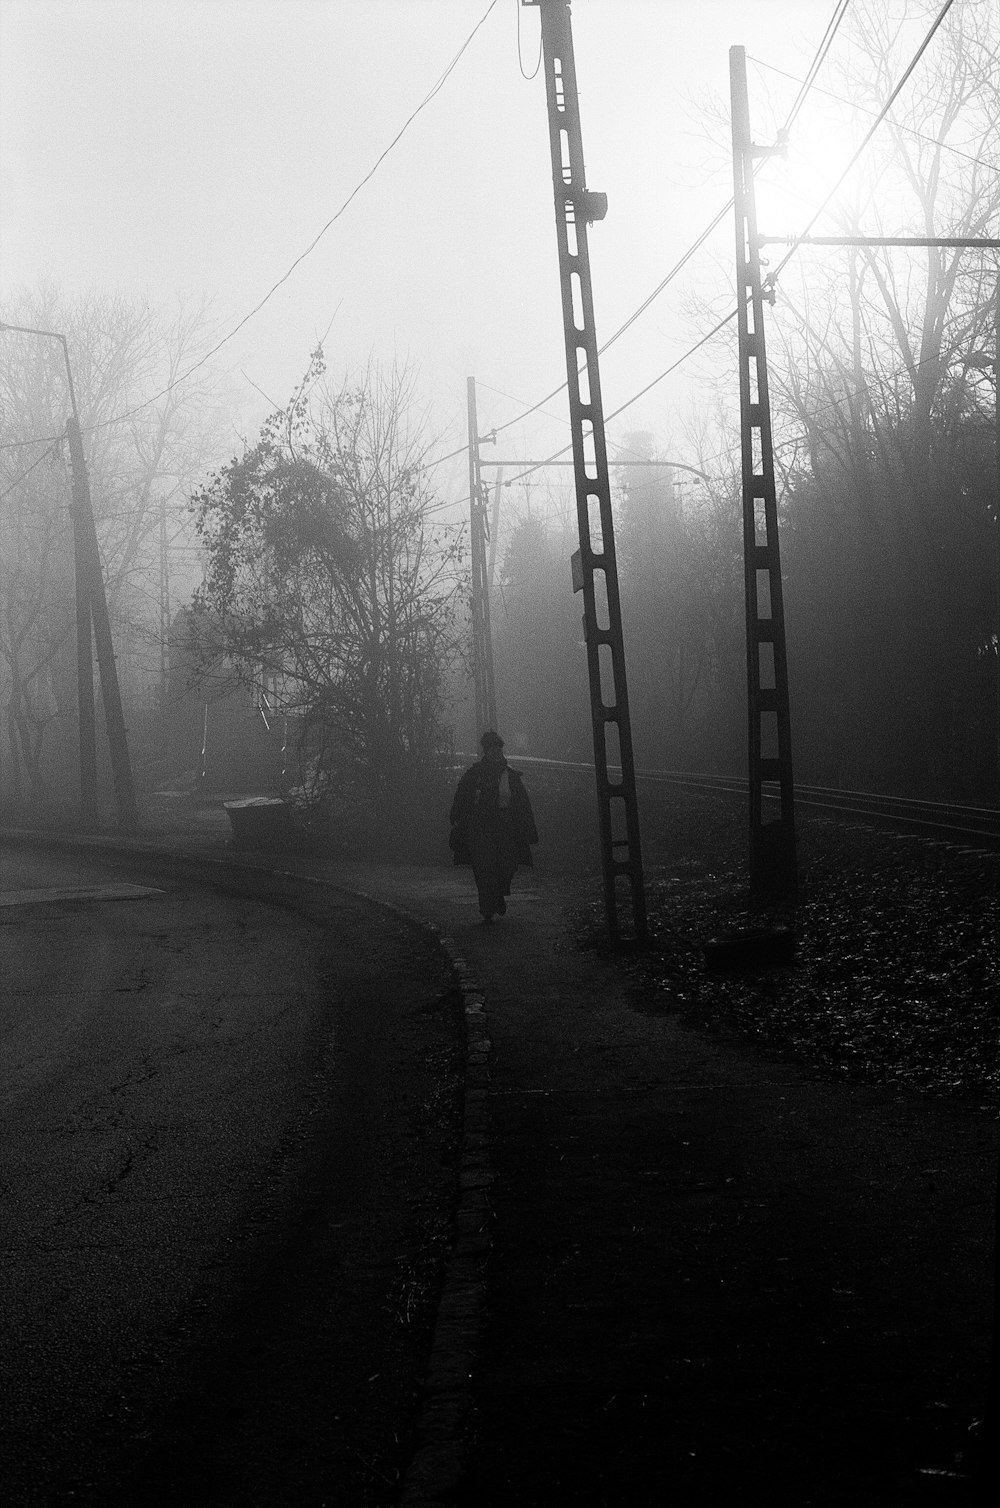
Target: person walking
492	825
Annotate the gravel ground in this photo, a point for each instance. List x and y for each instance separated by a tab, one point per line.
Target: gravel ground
896	969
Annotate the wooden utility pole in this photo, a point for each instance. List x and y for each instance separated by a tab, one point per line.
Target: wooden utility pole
595	570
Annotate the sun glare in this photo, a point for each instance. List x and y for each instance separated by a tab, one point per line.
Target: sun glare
791	188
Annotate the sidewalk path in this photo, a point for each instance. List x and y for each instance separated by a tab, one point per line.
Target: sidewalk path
714	1277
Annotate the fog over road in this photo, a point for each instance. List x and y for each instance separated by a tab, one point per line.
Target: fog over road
212	1108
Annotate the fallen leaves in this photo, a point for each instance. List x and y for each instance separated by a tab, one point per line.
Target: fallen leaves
896	977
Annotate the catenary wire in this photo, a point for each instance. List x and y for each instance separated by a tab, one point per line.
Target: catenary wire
862	109
703	340
826	42
772	277
839	11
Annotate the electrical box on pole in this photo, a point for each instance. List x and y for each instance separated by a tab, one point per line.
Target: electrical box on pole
479	534
773	864
576	207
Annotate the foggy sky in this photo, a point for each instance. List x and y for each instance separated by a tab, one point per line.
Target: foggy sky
196	147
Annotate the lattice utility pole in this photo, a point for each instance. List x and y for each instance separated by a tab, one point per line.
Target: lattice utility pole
479	533
773	866
594	566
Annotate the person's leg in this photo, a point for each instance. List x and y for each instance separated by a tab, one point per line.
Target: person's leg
484	850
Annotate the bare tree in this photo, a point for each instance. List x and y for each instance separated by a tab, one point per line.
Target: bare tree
883	412
141	458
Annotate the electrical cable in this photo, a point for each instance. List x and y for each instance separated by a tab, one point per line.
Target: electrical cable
25	474
840	10
703	340
522	402
897	125
824	45
833	25
35	440
772	277
520	60
819	57
431	94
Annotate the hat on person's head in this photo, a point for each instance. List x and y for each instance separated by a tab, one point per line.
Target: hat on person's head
491	740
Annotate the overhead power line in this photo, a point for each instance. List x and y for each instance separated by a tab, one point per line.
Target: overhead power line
37	462
428	97
842	99
808	83
703	340
783	263
819	57
23	444
773	276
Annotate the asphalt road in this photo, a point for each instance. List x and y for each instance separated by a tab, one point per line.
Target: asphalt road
228	1122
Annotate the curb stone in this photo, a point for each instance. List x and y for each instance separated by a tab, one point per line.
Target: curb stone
437	1465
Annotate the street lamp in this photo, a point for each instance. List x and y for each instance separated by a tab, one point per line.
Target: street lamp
91	607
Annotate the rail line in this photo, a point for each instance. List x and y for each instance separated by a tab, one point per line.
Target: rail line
945	821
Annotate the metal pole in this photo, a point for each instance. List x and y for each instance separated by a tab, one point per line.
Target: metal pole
996	462
595	567
963	243
482	637
84	609
84	614
620	465
990	1463
957	241
121	765
494	534
84	652
164	607
86	715
773	864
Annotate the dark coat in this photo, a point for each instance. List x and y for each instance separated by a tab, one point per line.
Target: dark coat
462	808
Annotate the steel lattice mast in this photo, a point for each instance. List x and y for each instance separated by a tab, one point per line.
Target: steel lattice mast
773	865
595	568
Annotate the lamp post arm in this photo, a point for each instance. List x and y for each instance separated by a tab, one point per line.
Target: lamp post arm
69	379
52	335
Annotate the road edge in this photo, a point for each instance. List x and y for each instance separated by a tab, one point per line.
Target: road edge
436	1466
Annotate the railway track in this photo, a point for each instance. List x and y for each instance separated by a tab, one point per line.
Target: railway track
945	821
